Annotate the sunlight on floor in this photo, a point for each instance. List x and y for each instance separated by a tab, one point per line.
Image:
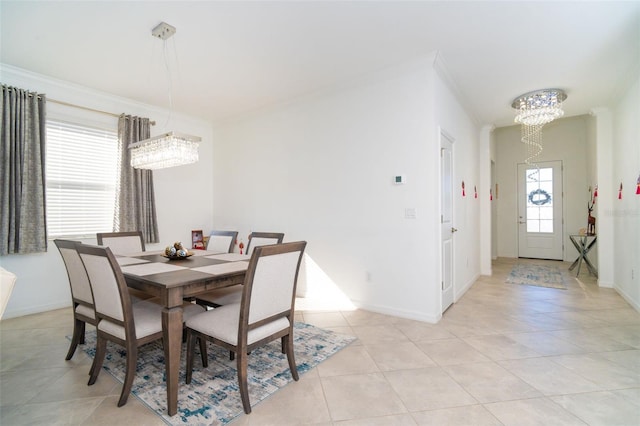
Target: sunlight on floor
320	292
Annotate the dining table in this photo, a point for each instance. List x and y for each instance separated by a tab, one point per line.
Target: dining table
173	281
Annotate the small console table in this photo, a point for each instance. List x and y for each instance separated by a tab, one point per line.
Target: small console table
583	243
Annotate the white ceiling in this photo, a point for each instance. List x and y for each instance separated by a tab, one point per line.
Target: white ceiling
234	57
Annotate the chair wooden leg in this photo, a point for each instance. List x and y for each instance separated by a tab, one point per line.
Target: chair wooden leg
290	356
93	363
191	343
283	344
84	326
78	337
98	359
91	369
203	352
132	359
242	380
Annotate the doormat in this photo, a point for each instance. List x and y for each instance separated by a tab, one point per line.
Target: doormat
536	275
213	397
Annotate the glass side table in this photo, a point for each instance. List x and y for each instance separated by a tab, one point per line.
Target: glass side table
583	243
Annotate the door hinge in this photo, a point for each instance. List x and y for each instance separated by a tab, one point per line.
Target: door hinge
442	285
441	152
441	218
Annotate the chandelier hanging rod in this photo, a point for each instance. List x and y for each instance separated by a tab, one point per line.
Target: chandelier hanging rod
169	149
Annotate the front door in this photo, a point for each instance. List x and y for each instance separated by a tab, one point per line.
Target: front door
446	219
540	210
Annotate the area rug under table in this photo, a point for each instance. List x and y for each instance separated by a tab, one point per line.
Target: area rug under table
213	397
536	275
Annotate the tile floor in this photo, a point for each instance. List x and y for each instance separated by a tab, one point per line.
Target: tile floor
502	355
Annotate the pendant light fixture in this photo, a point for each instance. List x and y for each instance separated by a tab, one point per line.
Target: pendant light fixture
534	110
169	149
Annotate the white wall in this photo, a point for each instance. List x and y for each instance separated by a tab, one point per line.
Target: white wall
494	198
602	222
625	213
454	120
601	124
184	196
564	139
321	169
486	205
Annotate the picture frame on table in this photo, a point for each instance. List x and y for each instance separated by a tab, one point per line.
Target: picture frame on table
197	240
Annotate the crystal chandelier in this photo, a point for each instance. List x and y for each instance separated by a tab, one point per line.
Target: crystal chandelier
169	149
166	150
534	110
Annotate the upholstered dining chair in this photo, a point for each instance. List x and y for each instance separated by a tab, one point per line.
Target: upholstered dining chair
122	242
119	320
219	242
7	282
222	241
227	295
265	312
81	296
257	239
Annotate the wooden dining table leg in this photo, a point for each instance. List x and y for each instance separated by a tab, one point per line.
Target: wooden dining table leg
172	334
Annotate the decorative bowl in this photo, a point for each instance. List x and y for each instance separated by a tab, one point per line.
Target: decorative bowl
177	257
176	252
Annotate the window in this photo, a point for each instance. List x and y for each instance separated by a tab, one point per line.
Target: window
540	200
81	164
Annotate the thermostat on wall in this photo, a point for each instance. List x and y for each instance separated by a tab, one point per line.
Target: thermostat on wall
399	179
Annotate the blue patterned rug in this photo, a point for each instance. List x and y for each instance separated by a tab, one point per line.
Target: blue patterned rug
537	275
213	397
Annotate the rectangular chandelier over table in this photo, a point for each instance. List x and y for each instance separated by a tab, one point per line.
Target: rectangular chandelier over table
166	150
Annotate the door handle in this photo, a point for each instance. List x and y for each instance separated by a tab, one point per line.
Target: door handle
521	222
453	230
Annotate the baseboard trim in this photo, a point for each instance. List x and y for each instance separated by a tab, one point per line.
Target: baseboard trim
458	294
628	298
412	315
34	310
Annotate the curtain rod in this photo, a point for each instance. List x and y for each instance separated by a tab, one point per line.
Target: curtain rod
153	123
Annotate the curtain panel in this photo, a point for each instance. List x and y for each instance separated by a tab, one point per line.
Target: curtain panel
22	172
135	207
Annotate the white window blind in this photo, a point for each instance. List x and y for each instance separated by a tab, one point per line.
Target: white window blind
81	165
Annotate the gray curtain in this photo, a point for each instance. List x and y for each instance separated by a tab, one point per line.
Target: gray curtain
22	186
135	200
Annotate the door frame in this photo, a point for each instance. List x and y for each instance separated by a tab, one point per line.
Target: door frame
447	270
558	188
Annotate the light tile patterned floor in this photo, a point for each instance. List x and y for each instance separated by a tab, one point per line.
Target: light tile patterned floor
502	355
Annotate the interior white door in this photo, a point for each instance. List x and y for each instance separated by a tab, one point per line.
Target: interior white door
446	219
540	227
